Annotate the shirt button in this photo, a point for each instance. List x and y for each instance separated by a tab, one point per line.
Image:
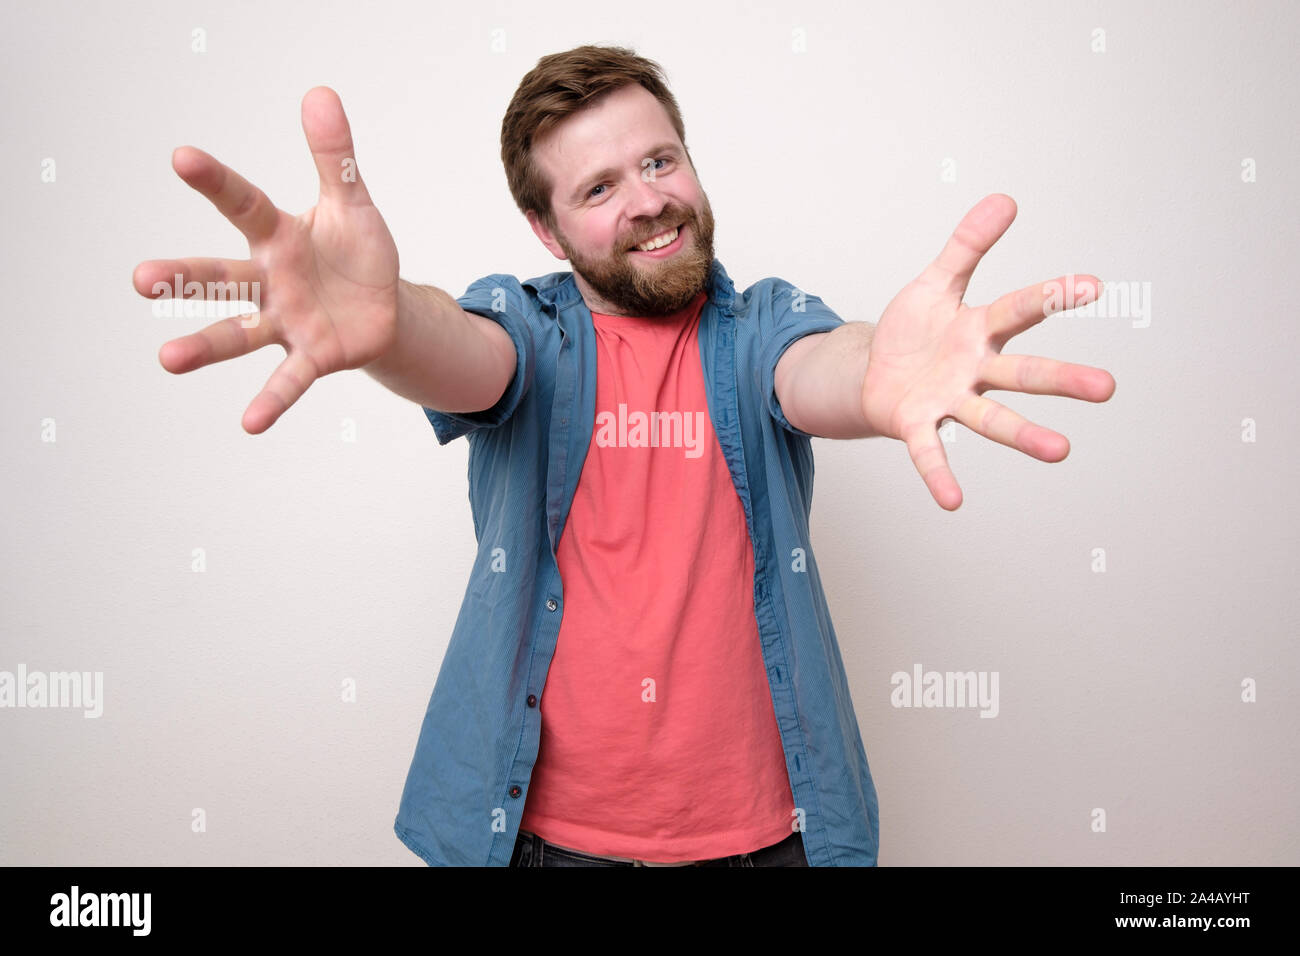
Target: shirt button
532	700
515	791
550	604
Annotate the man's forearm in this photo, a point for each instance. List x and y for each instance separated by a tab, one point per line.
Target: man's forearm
825	391
443	357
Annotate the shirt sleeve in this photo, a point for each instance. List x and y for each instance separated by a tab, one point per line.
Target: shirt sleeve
794	314
500	298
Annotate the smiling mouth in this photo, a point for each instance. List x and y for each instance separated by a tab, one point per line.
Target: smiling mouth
673	231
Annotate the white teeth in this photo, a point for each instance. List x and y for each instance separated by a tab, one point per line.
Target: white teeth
658	241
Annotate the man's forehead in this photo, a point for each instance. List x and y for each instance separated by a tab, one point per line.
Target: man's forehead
619	129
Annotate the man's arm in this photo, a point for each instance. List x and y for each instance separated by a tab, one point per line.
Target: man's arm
819	382
443	357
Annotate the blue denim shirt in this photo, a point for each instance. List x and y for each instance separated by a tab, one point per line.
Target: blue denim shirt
468	781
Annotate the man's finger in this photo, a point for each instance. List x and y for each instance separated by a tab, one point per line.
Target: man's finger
981	227
329	137
1035	375
1011	314
285	386
1000	424
931	461
227	339
157	278
236	198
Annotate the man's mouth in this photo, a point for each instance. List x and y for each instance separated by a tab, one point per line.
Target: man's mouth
667	240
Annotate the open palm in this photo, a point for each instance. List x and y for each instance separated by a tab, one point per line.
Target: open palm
327	279
932	357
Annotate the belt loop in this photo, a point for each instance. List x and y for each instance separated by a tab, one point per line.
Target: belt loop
525	852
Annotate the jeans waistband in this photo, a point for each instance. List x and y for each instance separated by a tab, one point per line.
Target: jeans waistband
612	859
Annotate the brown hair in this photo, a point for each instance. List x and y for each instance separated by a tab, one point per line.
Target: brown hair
562	84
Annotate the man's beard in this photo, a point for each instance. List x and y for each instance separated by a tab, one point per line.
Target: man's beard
655	287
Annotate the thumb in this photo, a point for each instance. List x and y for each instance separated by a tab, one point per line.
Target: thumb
330	140
984	225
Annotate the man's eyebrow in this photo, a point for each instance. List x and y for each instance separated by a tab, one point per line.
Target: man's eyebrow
594	178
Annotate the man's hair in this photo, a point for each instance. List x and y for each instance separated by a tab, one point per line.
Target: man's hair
562	84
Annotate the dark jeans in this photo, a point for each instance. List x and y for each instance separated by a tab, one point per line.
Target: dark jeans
532	850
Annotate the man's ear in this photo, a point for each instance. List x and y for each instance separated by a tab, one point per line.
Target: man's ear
544	234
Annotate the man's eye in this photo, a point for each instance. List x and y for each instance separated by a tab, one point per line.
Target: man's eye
592	191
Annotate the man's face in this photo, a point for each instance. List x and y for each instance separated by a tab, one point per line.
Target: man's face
619	176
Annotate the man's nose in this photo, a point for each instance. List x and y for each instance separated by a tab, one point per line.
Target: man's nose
648	201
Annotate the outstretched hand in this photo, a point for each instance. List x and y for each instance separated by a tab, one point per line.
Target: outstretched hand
327	279
932	357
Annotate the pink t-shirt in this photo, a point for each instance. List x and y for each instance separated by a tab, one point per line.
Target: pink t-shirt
659	740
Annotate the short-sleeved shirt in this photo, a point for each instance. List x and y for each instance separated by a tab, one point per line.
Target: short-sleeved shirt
479	743
659	740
